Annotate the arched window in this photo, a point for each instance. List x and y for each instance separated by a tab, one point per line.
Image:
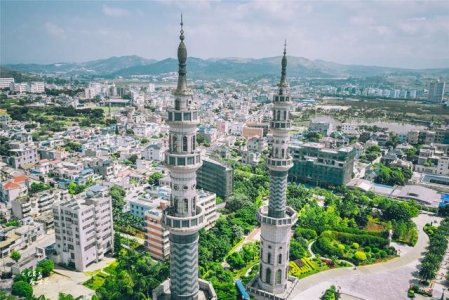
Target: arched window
278	115
280	259
276	152
282	153
175	143
268	275
184	143
175	204
193	142
269	258
177	104
193	205
278	276
186	206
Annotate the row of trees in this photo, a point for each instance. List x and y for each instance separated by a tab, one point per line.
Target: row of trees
435	252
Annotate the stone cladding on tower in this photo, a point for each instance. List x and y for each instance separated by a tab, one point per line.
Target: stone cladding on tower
276	219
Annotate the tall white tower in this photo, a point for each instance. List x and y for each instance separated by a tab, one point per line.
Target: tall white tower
183	218
276	219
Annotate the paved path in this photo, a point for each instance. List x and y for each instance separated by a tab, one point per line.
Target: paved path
383	281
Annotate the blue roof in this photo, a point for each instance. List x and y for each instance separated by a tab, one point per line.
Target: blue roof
241	289
86	171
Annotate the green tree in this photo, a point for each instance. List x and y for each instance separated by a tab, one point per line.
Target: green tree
22	289
133	158
117	194
154	178
47	266
15	255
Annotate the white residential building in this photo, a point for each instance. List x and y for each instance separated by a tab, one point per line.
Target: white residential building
37	87
84	229
5	82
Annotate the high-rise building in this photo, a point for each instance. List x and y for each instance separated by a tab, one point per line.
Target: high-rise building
436	91
183	217
83	229
276	219
216	177
314	163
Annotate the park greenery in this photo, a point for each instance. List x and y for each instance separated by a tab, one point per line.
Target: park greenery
37	187
435	251
331	293
392	175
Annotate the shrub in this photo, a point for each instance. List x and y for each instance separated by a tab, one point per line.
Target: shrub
308	234
22	289
359	255
355	245
382	253
367	249
341	246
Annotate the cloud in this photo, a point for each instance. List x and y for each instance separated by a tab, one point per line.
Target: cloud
54	30
114	12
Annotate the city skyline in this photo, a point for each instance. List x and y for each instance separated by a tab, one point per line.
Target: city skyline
406	34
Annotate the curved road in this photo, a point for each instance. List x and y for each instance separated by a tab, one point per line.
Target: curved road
383	281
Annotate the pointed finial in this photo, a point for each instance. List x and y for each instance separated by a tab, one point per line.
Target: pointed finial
284	66
181	37
285	47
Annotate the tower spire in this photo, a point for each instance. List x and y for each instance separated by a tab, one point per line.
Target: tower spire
182	61
284	67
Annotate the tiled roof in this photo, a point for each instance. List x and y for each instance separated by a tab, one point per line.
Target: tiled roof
20	178
10	185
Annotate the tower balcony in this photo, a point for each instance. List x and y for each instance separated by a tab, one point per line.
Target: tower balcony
289	220
184	225
279	164
286	124
183	162
182	117
282	99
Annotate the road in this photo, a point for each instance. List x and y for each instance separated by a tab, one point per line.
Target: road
383	281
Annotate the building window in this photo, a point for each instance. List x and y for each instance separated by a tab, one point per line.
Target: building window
268	275
186	206
278	276
177	104
176	204
269	258
184	143
175	143
193	142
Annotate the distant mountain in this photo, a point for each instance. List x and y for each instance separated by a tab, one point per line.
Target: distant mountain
18	76
96	67
364	71
238	68
233	68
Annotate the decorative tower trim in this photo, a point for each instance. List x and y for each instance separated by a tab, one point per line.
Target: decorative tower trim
277	219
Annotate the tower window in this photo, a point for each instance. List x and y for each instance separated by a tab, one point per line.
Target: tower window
193	142
184	143
268	275
175	143
186	206
176	204
269	258
280	259
177	104
278	276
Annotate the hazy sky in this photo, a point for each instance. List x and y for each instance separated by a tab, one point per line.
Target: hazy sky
413	34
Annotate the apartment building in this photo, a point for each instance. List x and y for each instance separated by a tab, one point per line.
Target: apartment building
5	82
84	229
315	164
216	177
320	127
22	154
